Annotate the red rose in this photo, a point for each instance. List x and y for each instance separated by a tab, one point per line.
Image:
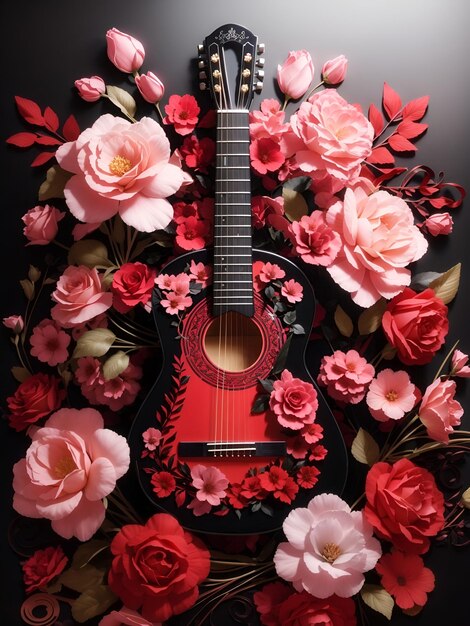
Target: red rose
404	505
132	284
42	567
36	397
416	325
157	567
303	609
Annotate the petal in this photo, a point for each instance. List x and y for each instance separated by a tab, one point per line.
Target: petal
58	508
101	479
167	182
146	214
87	205
83	522
66	156
287	561
25	507
83	422
113	447
296	527
327	502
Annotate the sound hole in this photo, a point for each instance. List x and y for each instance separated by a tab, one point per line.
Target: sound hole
233	342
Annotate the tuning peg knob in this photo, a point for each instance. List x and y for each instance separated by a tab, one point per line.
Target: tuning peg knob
202	86
261	48
200	48
260	62
201	65
258	86
260	74
202	75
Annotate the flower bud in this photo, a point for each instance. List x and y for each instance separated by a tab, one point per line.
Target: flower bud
295	74
458	366
334	71
90	89
150	86
124	51
41	224
15	323
439	224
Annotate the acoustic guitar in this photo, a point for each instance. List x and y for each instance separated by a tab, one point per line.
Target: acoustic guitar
208	411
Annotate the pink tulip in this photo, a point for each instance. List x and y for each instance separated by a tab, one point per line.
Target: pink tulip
295	74
439	224
125	52
334	70
459	365
14	323
150	86
90	89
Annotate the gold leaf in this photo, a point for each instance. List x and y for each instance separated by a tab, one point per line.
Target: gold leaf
115	365
33	274
53	186
92	602
20	373
81	578
378	599
295	205
343	322
28	288
122	99
371	319
94	342
87	551
89	252
364	448
465	499
447	284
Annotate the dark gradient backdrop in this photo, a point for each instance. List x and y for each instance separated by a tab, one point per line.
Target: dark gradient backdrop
418	46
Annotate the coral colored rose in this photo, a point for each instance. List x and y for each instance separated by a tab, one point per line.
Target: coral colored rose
70	466
90	89
43	567
334	70
132	285
125	617
313	240
124	168
41	224
150	86
303	609
405	578
157	567
79	296
416	325
38	396
346	375
295	75
293	401
124	51
439	410
458	366
439	224
379	240
404	505
182	112
331	135
14	323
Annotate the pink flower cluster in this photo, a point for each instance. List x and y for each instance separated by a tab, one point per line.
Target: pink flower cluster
346	376
175	292
210	484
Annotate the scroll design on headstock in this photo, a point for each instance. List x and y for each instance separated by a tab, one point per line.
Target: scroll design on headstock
230	35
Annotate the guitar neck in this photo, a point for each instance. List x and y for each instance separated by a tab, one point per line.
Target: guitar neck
233	279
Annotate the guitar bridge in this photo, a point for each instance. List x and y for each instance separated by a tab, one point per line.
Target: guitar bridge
231	448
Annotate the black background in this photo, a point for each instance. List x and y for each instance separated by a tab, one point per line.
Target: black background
419	47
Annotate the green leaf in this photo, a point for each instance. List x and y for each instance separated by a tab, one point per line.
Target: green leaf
447	285
28	288
94	342
87	551
343	322
289	318
371	319
115	365
82	578
267	384
92	602
364	448
122	99
89	252
295	206
53	186
378	599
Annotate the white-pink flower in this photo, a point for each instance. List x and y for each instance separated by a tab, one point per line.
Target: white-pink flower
439	410
174	302
328	548
270	271
200	273
49	343
391	395
151	438
70	466
165	281
292	291
210	483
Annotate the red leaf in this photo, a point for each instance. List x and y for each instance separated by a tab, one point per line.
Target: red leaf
381	155
410	129
43	157
388	174
22	140
391	102
44	140
376	119
51	119
401	144
440	203
71	130
29	111
180	497
416	109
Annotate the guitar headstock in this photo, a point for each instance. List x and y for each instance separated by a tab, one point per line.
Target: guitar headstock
230	66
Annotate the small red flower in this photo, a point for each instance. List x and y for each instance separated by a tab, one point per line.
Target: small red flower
198	154
42	567
307	476
274	479
288	491
163	484
192	234
405	578
251	488
265	155
318	453
182	112
235	498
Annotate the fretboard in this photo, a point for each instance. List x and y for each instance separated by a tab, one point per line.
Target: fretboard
233	279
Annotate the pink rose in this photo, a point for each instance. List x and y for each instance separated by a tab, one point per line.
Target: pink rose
150	86
90	89
124	51
439	410
314	241
370	263
295	74
346	375
14	323
122	168
331	135
439	224
334	71
41	224
459	365
79	296
70	466
293	401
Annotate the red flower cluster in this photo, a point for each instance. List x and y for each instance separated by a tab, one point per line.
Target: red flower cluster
198	154
193	224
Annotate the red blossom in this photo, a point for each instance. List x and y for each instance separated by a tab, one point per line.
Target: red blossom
274	479
235	498
198	154
307	476
192	234
42	567
266	156
288	491
182	112
163	484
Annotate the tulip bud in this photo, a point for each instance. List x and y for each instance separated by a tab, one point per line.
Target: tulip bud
15	323
150	86
125	52
334	71
90	89
458	366
439	224
295	74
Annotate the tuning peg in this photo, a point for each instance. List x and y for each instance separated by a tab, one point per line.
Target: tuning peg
260	62
258	86
202	86
200	48
260	74
202	75
261	48
201	65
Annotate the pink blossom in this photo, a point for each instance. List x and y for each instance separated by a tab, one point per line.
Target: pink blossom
14	323
439	410
266	155
124	51
391	395
459	365
328	548
379	239
79	231
269	272
88	370
150	86
100	321
200	273
41	224
49	343
124	168
312	433
439	224
90	89
115	393
295	75
174	302
269	122
292	291
70	466
180	284
313	239
346	375
151	438
192	234
125	617
293	401
334	70
165	281
266	210
199	507
210	483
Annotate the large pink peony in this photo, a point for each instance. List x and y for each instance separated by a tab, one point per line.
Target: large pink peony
122	168
70	466
328	549
379	240
330	134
